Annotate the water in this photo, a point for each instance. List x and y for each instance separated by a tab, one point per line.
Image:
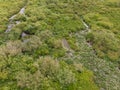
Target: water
22	10
10	26
11	18
12	23
17	22
86	25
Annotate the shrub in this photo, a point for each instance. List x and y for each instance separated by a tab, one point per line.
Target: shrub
54	43
105	45
57	53
31	44
55	74
42	50
12	48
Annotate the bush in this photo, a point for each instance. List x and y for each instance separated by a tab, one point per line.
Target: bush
12	48
54	43
31	43
42	50
57	53
52	74
105	45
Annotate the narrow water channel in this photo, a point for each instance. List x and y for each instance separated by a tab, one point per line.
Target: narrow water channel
12	23
86	26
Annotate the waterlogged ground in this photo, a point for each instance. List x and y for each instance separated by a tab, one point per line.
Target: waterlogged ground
59	45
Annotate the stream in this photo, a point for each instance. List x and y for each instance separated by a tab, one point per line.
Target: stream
86	26
12	23
86	31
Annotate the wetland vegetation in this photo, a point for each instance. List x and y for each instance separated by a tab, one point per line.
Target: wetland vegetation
59	44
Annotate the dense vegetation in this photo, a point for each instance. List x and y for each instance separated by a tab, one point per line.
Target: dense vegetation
59	44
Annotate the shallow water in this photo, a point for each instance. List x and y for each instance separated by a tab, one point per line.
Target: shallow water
22	10
12	23
85	24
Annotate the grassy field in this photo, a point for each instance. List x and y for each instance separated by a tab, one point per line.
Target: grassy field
49	47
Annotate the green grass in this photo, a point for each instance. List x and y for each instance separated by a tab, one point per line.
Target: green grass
40	58
106	20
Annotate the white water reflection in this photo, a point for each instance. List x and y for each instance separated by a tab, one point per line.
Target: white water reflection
12	23
22	10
